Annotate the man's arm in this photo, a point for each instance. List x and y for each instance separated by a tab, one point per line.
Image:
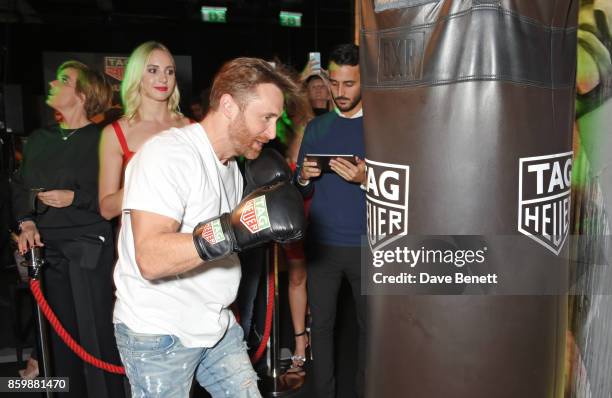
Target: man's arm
306	170
161	251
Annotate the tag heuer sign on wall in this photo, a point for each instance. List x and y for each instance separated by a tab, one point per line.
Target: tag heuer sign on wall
115	66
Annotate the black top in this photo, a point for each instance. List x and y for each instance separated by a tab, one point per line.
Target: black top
52	162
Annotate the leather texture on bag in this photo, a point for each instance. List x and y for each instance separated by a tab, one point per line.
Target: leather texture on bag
460	91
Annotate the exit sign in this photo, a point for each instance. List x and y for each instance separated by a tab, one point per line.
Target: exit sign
291	19
214	14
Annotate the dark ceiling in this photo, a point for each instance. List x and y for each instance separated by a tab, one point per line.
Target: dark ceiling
30	28
53	11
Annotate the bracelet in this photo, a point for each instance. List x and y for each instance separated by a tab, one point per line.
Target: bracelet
20	222
305	183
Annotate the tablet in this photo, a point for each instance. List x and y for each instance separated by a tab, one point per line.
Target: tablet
323	159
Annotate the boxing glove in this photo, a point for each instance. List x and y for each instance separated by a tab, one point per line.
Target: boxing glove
268	168
270	213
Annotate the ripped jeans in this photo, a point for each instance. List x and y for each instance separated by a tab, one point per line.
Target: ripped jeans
160	366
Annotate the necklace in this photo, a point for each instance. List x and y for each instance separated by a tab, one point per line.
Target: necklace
65	137
223	194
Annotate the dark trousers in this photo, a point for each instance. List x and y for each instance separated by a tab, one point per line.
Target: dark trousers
78	285
253	262
327	265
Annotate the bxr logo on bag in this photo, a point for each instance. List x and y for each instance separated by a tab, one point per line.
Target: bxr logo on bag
386	202
255	215
401	58
544	199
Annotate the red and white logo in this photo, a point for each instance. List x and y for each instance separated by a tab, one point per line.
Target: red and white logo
115	67
212	232
255	215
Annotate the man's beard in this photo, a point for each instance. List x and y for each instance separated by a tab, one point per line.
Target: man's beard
242	137
350	106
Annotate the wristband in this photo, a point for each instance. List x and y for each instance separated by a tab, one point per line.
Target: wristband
305	183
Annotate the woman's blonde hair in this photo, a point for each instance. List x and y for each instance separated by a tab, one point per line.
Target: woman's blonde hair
92	85
130	86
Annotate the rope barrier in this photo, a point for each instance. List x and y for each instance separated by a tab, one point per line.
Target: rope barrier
269	310
65	336
87	357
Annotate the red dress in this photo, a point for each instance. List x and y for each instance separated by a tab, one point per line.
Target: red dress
127	154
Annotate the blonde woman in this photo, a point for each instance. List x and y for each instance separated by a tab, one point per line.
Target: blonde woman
150	99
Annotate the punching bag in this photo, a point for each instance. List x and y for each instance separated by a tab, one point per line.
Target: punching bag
468	110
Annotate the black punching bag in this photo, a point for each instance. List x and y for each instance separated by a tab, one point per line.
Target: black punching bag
471	103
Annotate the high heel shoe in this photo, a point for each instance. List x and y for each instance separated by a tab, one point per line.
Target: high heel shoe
298	361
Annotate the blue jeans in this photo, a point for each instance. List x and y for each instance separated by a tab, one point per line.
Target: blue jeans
160	366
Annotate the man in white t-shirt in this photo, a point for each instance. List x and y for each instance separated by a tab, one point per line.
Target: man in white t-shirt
182	223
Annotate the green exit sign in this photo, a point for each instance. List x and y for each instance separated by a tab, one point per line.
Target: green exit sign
214	14
291	19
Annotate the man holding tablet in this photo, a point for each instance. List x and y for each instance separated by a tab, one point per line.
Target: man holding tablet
337	213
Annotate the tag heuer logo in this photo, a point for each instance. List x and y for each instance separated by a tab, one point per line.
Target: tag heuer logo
212	232
386	202
544	199
115	66
255	215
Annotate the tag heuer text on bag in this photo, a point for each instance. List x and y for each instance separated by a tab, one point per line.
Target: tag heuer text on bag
544	199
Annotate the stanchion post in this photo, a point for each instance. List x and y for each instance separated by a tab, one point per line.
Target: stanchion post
35	272
274	343
269	350
276	384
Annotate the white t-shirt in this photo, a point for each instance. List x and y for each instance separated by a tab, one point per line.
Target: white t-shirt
177	174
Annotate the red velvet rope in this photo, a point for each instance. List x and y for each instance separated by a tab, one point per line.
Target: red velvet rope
87	357
66	337
269	310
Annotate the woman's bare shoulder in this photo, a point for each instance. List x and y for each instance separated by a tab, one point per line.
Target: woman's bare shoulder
123	123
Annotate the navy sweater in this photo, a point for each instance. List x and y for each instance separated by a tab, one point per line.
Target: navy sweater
338	211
